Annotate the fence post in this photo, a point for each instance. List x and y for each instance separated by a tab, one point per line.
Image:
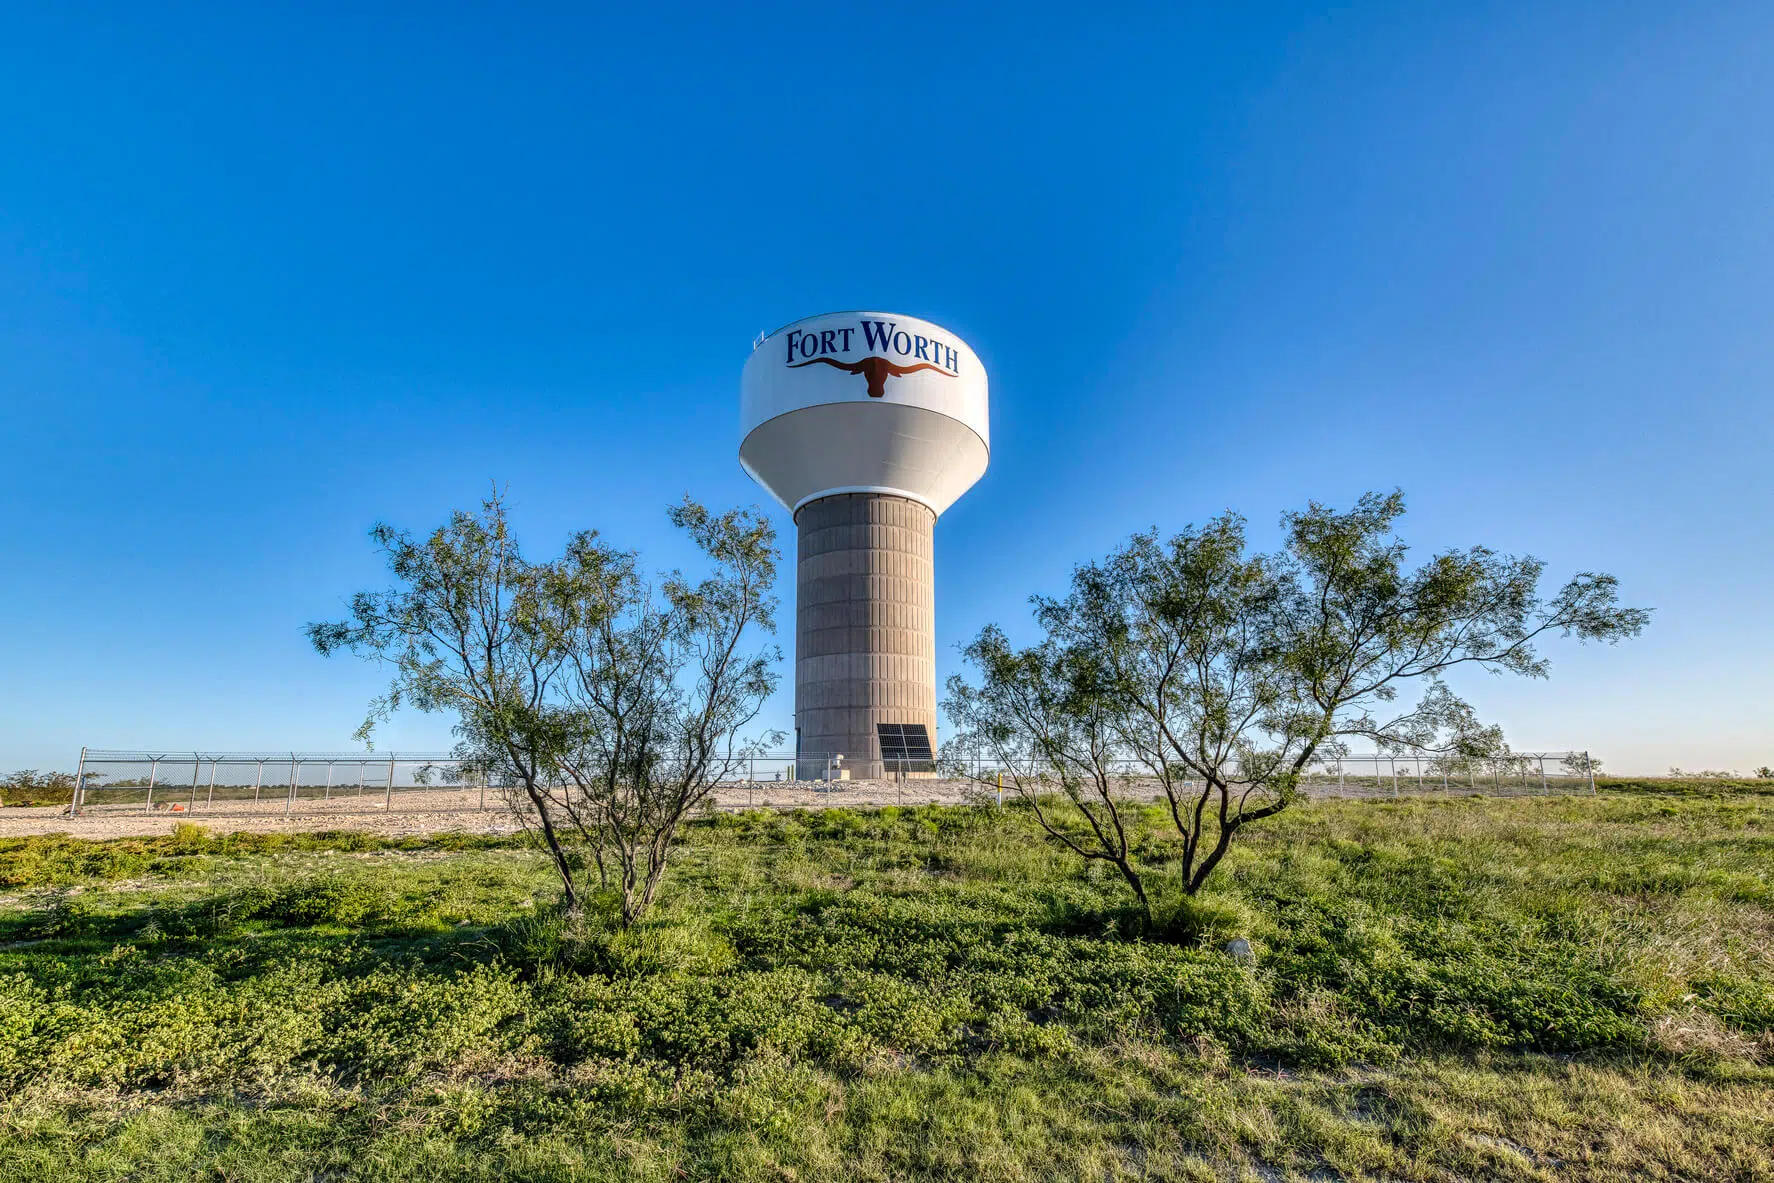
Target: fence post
291	799
1000	786
483	790
196	768
1393	761
328	794
209	802
153	772
258	780
79	786
1543	772
360	778
388	801
1589	767
1419	760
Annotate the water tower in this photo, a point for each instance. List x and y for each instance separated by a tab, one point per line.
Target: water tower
866	425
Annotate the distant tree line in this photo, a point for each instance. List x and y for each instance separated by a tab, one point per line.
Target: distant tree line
27	786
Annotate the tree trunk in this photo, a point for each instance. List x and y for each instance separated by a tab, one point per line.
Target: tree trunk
569	895
1199	878
1139	891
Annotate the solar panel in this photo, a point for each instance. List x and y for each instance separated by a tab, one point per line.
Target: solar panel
904	741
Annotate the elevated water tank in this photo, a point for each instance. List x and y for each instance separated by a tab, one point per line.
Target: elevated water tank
866	426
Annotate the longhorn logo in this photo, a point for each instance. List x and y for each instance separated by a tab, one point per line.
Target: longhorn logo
876	370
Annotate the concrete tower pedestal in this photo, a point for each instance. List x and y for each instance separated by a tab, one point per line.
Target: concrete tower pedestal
865	634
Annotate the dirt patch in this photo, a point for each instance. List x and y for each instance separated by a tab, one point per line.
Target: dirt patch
414	813
419	812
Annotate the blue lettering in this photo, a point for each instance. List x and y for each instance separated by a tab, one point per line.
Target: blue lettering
828	340
953	359
792	334
878	334
902	343
846	333
918	348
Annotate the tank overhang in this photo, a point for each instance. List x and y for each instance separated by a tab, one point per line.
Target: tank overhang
907	451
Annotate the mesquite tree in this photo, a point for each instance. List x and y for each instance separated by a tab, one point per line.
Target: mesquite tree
1219	676
609	709
656	689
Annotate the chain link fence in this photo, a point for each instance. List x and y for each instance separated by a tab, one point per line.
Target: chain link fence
1379	773
1510	774
290	783
109	781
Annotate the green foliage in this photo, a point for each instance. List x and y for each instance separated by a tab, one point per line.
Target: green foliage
903	993
189	849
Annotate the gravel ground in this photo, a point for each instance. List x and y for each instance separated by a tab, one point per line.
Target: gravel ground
438	811
435	811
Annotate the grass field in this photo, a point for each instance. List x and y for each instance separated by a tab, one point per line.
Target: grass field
1524	988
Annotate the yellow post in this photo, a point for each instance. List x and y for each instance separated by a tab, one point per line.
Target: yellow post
1000	787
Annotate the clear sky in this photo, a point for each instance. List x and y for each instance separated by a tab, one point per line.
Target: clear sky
270	273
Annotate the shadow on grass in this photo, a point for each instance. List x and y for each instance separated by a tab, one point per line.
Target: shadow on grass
317	913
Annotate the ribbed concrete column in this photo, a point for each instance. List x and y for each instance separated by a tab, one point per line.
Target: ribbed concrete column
865	625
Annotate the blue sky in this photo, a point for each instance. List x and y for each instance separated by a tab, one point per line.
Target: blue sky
269	274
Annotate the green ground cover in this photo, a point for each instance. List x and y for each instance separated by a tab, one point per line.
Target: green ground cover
1524	988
